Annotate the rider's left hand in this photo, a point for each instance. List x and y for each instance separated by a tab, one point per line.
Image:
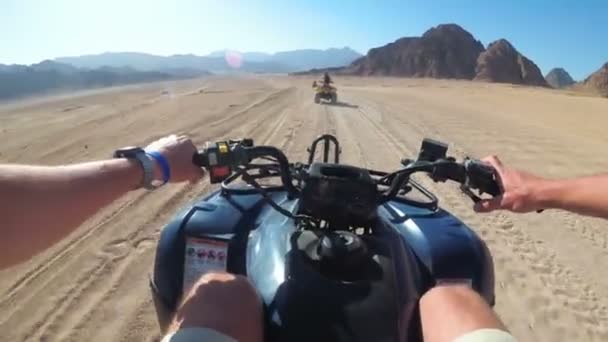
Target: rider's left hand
519	190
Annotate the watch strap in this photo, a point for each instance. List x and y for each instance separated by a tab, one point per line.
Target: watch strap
146	163
147	166
163	163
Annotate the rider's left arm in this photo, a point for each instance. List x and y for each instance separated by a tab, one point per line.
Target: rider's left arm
40	205
524	192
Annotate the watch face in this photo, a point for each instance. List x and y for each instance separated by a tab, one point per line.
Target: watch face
127	152
157	183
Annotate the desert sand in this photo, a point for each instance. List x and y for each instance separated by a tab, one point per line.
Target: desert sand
93	285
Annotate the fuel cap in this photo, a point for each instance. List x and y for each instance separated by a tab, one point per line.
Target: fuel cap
342	249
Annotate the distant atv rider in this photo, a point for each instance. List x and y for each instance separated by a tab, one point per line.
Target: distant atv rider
326	79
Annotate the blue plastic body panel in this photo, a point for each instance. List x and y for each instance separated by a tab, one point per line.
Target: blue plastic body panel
434	247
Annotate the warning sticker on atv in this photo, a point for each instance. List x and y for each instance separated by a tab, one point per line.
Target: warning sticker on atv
202	256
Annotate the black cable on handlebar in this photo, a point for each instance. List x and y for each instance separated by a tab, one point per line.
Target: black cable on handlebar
264	151
471	174
270	170
401	177
262	192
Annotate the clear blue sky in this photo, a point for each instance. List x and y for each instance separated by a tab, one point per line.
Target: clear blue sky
568	33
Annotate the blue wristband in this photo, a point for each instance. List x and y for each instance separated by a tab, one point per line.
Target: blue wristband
164	164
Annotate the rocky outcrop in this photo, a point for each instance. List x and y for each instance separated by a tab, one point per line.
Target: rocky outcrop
559	78
445	51
598	81
502	63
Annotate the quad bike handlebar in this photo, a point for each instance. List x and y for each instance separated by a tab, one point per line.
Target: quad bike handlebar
472	174
222	158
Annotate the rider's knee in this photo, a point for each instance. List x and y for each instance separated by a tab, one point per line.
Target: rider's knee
222	286
225	293
215	300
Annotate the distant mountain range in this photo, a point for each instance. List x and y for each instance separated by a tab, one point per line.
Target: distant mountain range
21	80
216	62
444	51
116	68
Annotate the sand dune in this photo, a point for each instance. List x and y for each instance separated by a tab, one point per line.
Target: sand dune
94	285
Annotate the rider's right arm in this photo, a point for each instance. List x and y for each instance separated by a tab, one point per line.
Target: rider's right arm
524	192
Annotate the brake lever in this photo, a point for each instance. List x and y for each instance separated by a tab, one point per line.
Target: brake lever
467	191
466	188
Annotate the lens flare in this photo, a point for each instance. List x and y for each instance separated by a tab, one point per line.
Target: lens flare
234	59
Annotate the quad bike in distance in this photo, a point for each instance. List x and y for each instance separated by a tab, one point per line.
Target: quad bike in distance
325	91
336	252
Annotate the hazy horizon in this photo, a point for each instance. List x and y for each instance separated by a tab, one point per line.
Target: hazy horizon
551	33
202	55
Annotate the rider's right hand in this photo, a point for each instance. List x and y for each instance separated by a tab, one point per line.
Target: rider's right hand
519	190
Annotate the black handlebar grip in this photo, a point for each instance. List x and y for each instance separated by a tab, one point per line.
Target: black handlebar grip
200	159
482	177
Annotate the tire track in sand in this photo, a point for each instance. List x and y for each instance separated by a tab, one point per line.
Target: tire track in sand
352	150
62	254
297	135
111	259
123	276
100	268
59	256
39	279
136	329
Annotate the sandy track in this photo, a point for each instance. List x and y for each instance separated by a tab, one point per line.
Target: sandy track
93	285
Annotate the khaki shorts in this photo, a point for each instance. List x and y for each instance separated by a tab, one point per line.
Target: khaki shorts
210	335
489	335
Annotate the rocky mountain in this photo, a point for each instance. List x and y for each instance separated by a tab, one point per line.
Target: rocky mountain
21	80
502	63
598	81
559	78
279	62
445	51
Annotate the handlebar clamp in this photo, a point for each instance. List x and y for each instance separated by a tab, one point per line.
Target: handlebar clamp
221	157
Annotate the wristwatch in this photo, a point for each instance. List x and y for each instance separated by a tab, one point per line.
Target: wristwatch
147	165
